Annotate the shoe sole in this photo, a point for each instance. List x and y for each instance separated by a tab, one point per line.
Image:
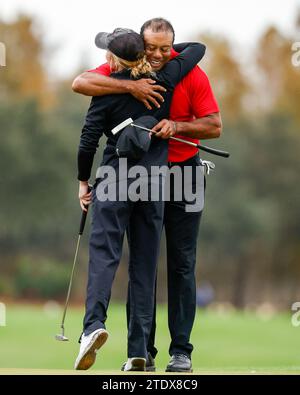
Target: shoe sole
179	370
150	369
89	357
137	365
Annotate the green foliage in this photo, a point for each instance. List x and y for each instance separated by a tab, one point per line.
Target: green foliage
249	236
250	230
40	278
37	173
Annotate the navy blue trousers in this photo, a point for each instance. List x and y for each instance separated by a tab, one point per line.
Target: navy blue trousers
181	228
143	221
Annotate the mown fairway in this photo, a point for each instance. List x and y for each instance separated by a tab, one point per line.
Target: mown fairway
231	342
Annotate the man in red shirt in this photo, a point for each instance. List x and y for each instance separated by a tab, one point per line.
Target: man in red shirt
194	115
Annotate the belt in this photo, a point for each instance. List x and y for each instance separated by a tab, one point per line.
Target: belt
207	164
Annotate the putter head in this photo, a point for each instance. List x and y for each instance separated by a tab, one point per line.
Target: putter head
121	125
61	338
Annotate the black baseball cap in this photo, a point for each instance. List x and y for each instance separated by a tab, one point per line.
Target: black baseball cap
124	43
134	142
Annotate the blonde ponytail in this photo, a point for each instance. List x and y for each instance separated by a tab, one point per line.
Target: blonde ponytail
138	68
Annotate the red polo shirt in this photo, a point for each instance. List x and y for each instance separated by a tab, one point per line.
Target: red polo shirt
193	98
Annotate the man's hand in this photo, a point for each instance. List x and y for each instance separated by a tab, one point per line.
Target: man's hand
84	196
165	129
94	84
147	91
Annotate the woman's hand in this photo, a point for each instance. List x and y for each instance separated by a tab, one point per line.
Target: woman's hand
85	197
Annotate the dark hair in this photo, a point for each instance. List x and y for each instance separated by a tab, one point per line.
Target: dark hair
158	25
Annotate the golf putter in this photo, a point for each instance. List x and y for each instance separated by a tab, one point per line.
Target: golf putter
129	121
61	337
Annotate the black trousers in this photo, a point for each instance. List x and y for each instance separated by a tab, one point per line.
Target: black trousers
110	219
181	228
143	221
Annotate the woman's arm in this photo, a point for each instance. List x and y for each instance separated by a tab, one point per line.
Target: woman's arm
90	135
178	67
179	47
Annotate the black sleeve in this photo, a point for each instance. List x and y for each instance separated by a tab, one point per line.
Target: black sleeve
91	132
179	47
178	67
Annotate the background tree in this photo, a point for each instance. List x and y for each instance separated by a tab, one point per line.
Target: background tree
24	75
226	76
249	237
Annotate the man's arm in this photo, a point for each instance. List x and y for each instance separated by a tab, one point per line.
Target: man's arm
207	123
208	127
95	84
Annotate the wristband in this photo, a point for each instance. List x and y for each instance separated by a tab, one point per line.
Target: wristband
175	126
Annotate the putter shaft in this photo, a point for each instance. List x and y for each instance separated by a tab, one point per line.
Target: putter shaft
81	229
203	147
70	286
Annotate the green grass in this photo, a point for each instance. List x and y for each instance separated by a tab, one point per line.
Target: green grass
223	343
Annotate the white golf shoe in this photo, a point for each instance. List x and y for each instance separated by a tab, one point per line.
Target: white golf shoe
135	365
89	346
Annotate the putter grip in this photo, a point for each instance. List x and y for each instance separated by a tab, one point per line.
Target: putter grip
213	151
83	216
